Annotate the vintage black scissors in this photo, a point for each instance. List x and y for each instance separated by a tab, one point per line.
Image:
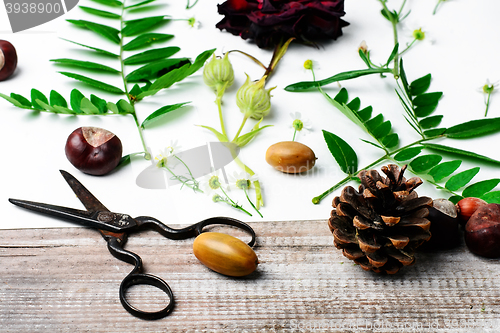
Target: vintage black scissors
115	227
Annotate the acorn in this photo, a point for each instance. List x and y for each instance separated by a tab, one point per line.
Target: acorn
290	157
225	254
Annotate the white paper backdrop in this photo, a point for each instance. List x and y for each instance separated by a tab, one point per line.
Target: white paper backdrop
460	51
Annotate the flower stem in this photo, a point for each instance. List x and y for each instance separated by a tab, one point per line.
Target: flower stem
259	201
487	104
294	133
245	118
218	101
251	203
234	204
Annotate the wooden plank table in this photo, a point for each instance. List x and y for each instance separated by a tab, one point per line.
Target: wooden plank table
65	280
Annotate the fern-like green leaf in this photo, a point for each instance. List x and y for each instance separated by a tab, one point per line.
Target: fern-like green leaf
160	113
93	82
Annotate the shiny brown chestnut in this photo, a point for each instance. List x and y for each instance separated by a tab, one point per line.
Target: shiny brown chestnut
8	59
482	231
444	226
93	150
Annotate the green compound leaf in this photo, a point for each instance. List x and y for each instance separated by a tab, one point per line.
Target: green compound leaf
444	169
151	55
461	179
425	162
343	153
57	99
85	64
138	26
101	29
145	40
160	113
474	128
93	82
37	95
480	188
420	86
94	49
408	153
101	13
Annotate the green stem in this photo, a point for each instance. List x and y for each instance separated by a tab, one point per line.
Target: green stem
179	178
435	8
147	155
245	118
487	104
294	133
407	47
188	6
234	204
394	23
259	201
251	203
218	101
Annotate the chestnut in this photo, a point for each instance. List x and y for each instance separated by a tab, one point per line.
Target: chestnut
93	150
467	206
444	225
482	231
8	59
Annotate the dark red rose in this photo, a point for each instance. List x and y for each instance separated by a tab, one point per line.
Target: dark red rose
271	22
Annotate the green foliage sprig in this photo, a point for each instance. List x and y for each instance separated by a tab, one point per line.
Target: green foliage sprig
158	71
423	156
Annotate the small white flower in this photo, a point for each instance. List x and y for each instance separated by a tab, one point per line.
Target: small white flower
489	88
194	23
241	180
211	183
303	126
166	157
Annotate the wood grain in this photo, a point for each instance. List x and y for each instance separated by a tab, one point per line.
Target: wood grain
65	280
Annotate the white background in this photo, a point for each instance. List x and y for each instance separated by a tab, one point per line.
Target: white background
460	51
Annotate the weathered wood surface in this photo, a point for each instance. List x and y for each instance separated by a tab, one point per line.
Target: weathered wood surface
65	280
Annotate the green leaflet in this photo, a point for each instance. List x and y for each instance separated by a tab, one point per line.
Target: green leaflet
343	153
99	103
111	3
420	86
473	128
87	107
459	152
146	40
430	122
124	107
17	100
300	86
425	162
479	189
156	69
85	64
444	169
101	13
37	95
138	26
408	153
151	55
101	29
491	197
75	100
57	99
461	179
93	82
244	139
160	113
95	49
140	4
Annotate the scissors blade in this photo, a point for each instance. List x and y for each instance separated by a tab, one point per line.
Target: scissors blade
88	199
91	203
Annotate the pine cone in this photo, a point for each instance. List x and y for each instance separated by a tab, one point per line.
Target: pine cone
381	225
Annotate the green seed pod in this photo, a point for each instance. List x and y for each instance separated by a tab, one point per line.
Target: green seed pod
253	99
218	73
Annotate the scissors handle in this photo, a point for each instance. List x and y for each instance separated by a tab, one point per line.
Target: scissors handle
135	277
146	222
